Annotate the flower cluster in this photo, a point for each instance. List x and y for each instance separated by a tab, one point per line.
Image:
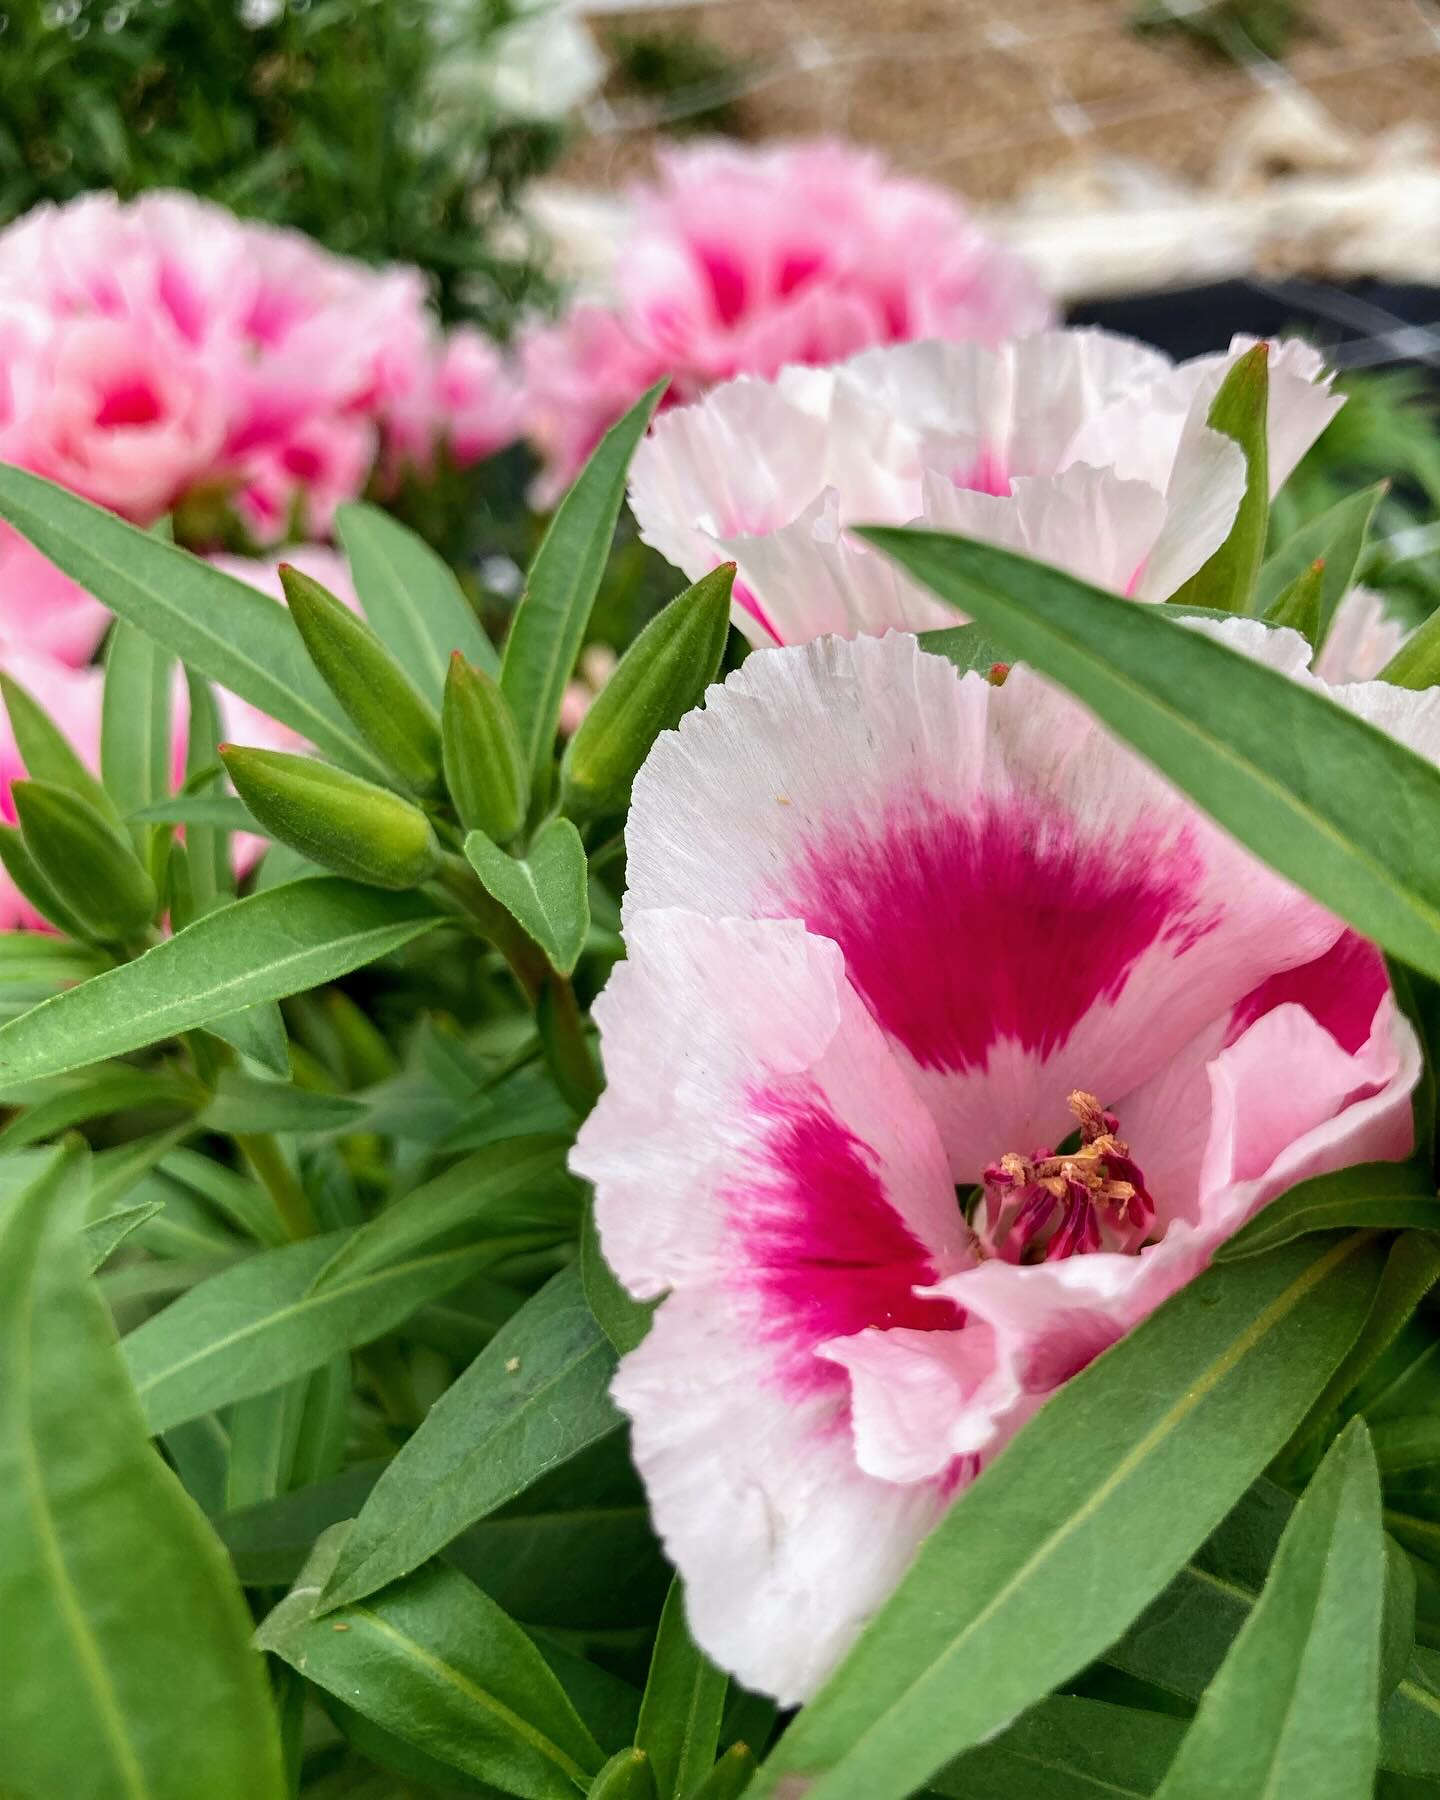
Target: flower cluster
952	1039
742	261
163	354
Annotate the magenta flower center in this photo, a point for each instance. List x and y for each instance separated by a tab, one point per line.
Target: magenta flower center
1045	1206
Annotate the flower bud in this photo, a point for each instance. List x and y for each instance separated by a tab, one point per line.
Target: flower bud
484	764
661	676
627	1776
336	819
91	869
19	865
730	1777
376	693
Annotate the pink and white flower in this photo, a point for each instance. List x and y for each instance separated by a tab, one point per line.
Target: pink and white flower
1080	448
893	935
739	261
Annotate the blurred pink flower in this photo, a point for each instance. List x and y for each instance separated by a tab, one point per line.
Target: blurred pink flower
160	351
741	261
892	933
1078	447
43	610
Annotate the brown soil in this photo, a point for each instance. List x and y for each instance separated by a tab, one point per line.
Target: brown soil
987	96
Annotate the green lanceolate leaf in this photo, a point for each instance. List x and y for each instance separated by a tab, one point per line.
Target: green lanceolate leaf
549	624
1298	605
1286	770
103	1237
627	1776
261	948
663	674
966	648
84	860
623	1320
125	1672
44	749
485	770
1240	410
220	812
1407	1443
1374	1196
135	731
683	1705
288	1310
1416	664
243	1104
336	819
1067	1748
1182	1637
257	1032
411	597
534	1398
545	891
1293	1711
439	1664
220	627
212	873
1337	538
376	695
23	870
1138	1458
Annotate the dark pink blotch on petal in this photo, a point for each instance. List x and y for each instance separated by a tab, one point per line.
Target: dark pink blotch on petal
824	1247
961	929
1340	990
744	597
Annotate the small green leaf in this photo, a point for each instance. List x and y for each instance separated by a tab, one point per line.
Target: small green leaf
262	948
1416	664
435	1661
20	866
1240	410
549	624
545	891
1293	1711
485	769
245	1105
623	1320
1298	606
45	751
1289	772
136	744
212	871
1375	1196
259	1033
662	675
338	820
222	628
1211	1382
1336	538
221	812
627	1776
103	1237
125	1669
375	693
1067	1748
84	860
411	597
535	1397
683	1705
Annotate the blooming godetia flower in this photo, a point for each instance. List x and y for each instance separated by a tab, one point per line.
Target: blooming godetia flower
951	1040
1078	447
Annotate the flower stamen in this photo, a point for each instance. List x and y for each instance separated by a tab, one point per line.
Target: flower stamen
1075	1198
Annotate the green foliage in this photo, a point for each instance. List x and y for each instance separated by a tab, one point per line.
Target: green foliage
319	117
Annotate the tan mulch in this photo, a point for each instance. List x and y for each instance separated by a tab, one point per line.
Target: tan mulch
987	96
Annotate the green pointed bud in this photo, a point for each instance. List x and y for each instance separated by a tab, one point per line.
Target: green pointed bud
378	696
93	871
484	764
19	865
1416	664
1240	410
730	1777
663	674
336	819
627	1776
1299	605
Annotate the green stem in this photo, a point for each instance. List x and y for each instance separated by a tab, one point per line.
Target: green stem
277	1178
527	962
567	1049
